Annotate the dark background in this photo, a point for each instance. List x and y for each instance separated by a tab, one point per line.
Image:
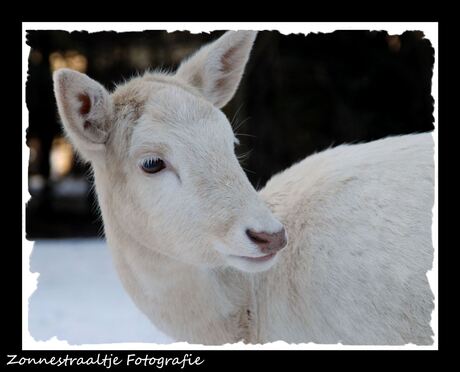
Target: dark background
300	94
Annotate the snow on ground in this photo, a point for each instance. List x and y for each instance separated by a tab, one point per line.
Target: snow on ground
80	299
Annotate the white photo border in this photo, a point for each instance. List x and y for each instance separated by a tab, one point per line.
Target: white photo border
29	279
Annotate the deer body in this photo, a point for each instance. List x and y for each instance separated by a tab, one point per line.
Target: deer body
205	256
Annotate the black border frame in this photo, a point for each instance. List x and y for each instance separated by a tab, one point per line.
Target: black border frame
214	359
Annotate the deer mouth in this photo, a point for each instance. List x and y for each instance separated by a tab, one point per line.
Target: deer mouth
258	259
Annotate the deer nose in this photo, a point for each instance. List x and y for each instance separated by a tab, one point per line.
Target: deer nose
268	242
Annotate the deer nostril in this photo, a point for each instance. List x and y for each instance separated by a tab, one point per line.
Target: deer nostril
257	237
268	242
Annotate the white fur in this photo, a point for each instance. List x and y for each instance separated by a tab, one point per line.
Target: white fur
358	217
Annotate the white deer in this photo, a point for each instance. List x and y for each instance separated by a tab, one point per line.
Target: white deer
200	251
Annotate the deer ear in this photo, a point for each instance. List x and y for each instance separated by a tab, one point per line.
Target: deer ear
217	68
85	108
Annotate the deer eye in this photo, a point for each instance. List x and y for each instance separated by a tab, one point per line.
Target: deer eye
152	165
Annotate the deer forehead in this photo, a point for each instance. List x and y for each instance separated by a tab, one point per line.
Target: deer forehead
190	134
160	112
